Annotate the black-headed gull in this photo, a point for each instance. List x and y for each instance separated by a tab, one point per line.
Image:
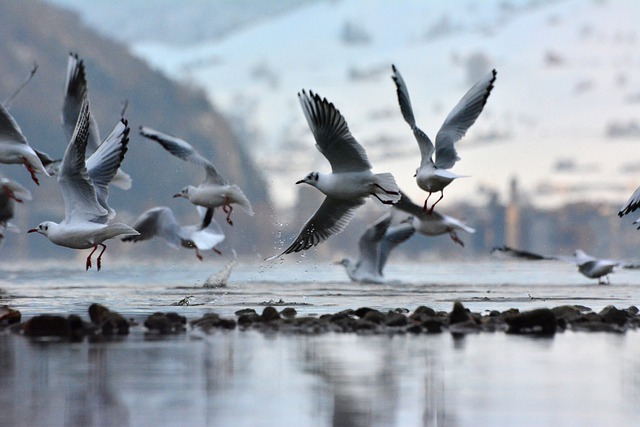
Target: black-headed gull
433	174
375	245
160	221
84	186
434	224
10	193
75	90
14	148
593	268
215	191
350	181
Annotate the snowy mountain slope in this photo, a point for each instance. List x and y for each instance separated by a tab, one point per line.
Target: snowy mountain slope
567	70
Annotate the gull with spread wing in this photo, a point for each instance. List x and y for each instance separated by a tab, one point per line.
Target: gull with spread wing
375	245
434	224
433	174
84	186
215	191
350	181
160	221
75	90
14	148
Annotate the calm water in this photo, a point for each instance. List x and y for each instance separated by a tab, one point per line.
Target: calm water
234	378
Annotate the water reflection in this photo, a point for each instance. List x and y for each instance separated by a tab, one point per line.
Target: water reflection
252	379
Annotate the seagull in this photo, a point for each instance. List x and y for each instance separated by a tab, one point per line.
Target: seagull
84	187
10	193
434	224
375	244
215	191
594	268
160	221
433	174
75	90
632	204
350	181
14	148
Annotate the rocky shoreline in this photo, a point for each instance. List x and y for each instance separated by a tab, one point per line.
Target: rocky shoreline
104	323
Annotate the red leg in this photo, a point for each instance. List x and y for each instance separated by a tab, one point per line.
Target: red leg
104	248
31	171
434	205
216	251
424	207
227	208
198	254
12	195
88	265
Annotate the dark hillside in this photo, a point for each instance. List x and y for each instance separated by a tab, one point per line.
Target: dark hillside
33	31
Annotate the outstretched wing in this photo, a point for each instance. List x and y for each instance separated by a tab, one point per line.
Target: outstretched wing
332	135
424	143
183	150
460	119
331	218
80	200
105	161
369	245
75	91
632	204
159	221
393	237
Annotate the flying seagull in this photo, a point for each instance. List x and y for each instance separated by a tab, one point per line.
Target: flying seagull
433	174
84	186
350	181
214	191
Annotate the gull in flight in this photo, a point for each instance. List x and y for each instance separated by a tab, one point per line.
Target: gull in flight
350	181
632	204
434	224
160	221
215	191
10	193
84	186
433	174
14	148
375	245
75	90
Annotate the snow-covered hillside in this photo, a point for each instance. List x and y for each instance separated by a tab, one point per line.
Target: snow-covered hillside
563	117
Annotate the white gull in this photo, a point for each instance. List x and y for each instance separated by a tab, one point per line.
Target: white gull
434	224
84	186
375	245
350	181
433	174
215	191
160	221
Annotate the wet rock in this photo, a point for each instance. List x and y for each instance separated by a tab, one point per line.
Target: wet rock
269	314
568	313
166	323
540	321
247	318
459	314
396	319
374	316
288	312
422	313
597	326
213	321
362	311
245	311
611	314
110	322
9	316
433	325
46	325
466	327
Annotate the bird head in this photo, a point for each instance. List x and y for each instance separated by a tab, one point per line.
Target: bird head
43	228
184	192
311	179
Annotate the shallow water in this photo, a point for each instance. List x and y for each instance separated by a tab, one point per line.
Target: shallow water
247	378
